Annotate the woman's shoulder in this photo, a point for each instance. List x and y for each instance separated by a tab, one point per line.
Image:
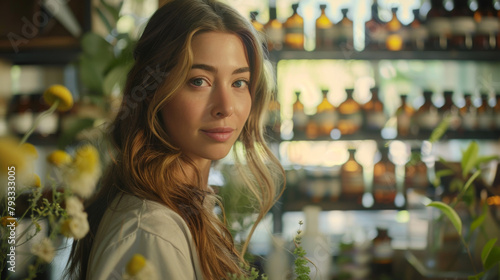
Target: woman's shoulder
150	216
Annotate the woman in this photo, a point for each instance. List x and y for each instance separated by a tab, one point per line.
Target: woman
200	83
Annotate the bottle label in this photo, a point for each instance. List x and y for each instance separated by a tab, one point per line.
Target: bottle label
375	120
300	120
419	34
383	250
404	122
463	25
325	118
485	121
325	37
469	121
352	183
488	25
428	120
275	35
295	31
439	26
355	119
346	32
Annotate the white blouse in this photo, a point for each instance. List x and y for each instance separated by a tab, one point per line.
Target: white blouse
137	226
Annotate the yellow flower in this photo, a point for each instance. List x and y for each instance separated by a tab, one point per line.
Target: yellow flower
59	158
136	264
12	155
77	226
61	93
7	220
87	159
30	150
37	183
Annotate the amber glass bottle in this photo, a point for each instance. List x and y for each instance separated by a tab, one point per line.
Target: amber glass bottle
427	117
374	115
325	31
404	115
394	41
468	113
416	173
439	26
375	30
350	115
488	25
273	122
345	25
485	115
326	116
384	179
256	24
294	30
451	110
418	33
299	118
383	255
462	25
274	31
351	175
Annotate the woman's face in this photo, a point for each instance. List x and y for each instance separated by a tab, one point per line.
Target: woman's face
206	115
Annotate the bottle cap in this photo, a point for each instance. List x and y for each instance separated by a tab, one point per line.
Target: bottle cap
322	6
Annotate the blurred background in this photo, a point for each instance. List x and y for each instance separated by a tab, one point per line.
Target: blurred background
361	85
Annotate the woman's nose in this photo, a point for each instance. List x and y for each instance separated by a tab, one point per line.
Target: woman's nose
223	102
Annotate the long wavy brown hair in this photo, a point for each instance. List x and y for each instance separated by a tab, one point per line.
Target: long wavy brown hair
145	164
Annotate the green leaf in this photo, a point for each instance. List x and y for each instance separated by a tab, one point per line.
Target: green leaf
471	179
113	11
469	158
91	73
95	46
485	159
117	77
104	19
493	258
487	249
477	222
439	131
450	213
476	277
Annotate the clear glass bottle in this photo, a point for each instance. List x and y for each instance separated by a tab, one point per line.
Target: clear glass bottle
462	25
351	175
325	31
375	30
274	31
418	33
488	25
395	40
374	115
350	115
299	118
404	115
345	38
294	30
439	26
485	116
326	116
468	113
384	179
427	116
451	110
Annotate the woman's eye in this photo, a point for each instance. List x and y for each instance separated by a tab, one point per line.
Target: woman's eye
240	83
197	82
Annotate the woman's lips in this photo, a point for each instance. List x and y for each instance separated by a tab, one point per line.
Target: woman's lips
219	134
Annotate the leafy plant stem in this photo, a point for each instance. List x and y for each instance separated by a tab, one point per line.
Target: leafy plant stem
38	119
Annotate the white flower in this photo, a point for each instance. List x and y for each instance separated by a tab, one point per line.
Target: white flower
76	226
138	268
44	250
73	206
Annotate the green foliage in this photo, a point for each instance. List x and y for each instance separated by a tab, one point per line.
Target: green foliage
301	269
464	182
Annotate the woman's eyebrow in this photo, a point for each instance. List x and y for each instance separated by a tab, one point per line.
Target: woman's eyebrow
214	70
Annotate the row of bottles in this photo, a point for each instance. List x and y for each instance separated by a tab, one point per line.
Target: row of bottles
350	116
362	184
460	29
